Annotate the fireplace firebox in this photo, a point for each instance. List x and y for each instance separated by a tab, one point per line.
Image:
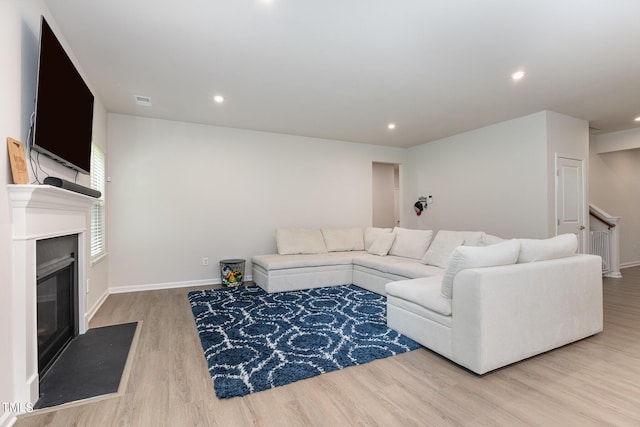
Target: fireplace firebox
57	297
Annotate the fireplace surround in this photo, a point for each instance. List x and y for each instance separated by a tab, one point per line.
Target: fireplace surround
40	212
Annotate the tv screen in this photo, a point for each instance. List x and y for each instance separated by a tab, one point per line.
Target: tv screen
64	107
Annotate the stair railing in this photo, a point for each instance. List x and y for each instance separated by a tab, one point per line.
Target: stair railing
604	239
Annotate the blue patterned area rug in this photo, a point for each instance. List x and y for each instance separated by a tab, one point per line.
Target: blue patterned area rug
254	341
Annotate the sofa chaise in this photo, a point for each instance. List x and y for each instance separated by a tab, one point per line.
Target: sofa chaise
503	310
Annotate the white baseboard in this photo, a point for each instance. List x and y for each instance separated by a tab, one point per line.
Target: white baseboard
89	315
7	419
167	285
630	264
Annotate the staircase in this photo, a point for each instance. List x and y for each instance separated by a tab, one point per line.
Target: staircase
604	240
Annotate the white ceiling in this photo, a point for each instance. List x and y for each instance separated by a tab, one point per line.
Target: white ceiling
344	69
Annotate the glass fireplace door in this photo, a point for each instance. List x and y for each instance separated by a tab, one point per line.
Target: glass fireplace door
55	310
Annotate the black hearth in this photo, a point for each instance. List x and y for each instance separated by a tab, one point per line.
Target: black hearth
57	297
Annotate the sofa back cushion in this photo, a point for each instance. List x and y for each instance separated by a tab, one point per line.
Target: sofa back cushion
410	243
560	246
490	239
441	248
382	244
343	239
292	241
471	238
465	257
371	234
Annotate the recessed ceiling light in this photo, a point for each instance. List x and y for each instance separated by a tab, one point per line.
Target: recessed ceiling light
517	75
391	126
637	119
219	99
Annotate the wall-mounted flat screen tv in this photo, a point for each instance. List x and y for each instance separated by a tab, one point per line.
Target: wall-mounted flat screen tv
64	106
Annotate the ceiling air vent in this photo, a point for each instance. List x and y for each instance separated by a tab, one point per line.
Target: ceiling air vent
145	101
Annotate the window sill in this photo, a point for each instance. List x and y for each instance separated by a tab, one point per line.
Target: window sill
98	259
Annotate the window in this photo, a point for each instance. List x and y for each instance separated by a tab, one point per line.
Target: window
98	246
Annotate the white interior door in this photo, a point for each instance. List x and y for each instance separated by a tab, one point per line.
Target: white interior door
570	198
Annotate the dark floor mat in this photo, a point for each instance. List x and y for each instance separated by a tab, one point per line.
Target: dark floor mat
90	366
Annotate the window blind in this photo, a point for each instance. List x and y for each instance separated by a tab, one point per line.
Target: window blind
98	178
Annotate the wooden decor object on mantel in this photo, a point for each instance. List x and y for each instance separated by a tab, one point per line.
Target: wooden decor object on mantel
18	161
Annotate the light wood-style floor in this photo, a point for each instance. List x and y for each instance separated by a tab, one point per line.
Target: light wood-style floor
593	382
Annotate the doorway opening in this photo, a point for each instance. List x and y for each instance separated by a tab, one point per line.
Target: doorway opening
386	195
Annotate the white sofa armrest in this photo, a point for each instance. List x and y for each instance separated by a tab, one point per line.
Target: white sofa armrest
504	314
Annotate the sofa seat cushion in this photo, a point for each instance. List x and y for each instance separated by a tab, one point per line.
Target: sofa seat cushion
413	270
398	266
280	262
380	263
424	292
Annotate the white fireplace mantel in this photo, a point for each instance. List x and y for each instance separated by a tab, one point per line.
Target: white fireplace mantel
40	212
44	211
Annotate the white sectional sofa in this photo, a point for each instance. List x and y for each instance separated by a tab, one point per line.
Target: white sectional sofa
478	300
368	258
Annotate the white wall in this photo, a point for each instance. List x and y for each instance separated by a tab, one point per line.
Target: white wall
614	186
616	141
566	137
19	35
499	179
491	179
10	124
181	192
